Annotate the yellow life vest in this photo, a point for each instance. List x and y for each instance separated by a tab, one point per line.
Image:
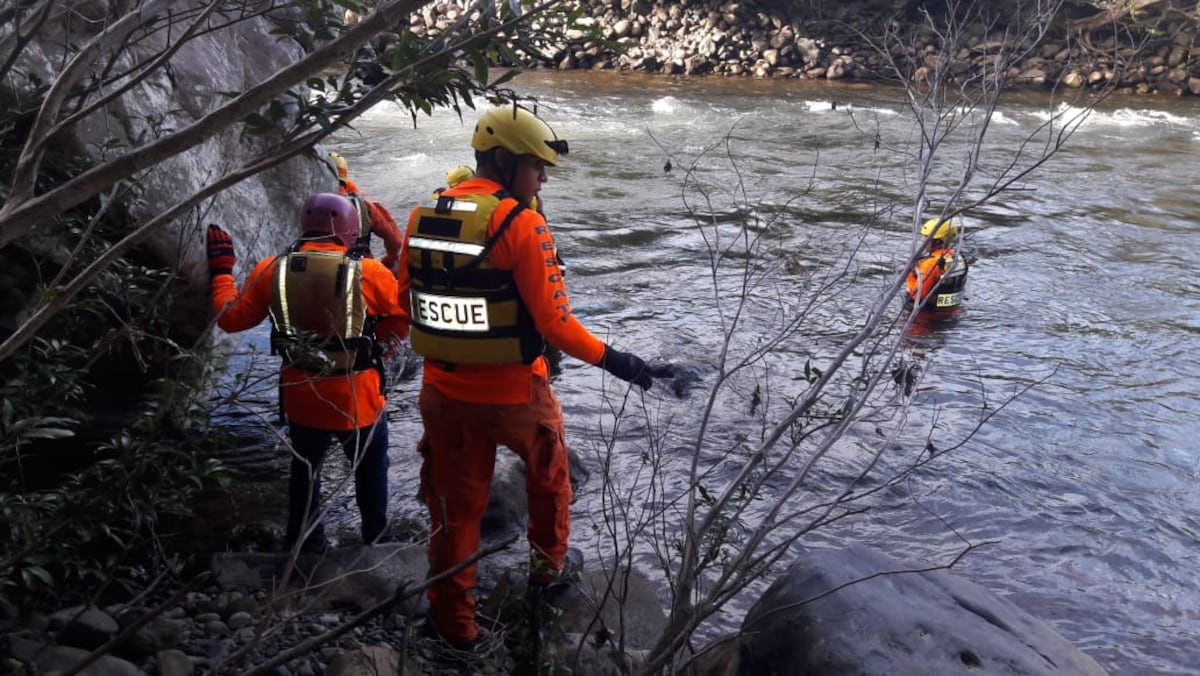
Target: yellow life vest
464	309
318	312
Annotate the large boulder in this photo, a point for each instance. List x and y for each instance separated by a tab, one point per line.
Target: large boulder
858	611
261	212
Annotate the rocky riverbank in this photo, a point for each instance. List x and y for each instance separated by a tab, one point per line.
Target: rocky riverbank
1151	50
354	611
357	611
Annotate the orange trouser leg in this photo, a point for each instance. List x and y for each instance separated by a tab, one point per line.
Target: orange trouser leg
539	439
459	454
456	473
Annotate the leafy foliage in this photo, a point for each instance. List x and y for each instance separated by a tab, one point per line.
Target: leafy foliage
96	526
91	526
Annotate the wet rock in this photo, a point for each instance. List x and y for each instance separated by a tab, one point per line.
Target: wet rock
854	611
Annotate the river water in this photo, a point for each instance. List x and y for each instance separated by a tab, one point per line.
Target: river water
1082	492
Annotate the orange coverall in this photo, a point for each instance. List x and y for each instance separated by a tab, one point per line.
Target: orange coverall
468	410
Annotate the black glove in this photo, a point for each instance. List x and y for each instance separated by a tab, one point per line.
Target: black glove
627	367
676	377
220	252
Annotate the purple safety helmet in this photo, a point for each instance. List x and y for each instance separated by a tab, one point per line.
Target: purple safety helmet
328	214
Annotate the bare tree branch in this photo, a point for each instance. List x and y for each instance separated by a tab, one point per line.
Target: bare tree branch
22	211
61	297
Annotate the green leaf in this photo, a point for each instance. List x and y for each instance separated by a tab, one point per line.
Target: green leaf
324	121
505	78
32	575
48	433
481	70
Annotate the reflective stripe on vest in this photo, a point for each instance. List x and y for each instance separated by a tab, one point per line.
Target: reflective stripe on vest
464	309
318	312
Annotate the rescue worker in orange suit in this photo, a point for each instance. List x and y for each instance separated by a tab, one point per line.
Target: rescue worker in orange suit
937	280
487	294
374	218
333	318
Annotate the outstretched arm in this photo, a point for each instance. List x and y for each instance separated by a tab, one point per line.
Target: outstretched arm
384	226
540	281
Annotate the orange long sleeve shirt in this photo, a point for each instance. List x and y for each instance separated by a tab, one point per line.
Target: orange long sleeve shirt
523	250
384	227
339	402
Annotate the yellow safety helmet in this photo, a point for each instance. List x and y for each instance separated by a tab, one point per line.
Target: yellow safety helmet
946	230
458	175
520	132
339	162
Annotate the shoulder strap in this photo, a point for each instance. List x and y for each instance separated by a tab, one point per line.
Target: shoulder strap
495	237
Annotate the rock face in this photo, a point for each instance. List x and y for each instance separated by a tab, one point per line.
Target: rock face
903	623
260	212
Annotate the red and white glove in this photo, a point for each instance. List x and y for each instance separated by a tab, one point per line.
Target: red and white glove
221	257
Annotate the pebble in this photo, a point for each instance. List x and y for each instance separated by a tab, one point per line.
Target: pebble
240	619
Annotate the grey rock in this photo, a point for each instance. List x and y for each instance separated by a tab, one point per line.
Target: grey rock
246	569
360	577
83	627
886	621
508	505
242	603
366	661
199	602
55	658
174	663
637	614
240	619
328	653
157	635
216	628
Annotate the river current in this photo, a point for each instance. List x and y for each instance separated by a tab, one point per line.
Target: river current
1077	337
